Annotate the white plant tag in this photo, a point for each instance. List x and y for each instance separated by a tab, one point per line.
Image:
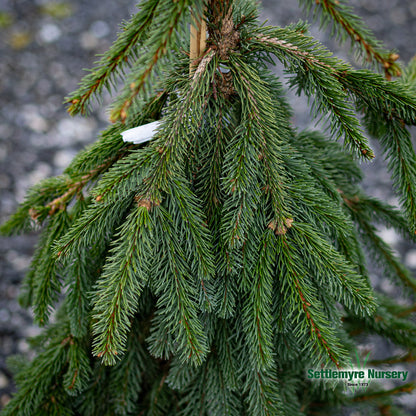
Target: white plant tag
141	134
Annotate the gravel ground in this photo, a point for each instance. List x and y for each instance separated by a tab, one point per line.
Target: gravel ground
44	45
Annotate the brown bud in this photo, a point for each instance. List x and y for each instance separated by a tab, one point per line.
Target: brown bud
99	198
273	224
144	203
394	57
281	230
289	222
33	214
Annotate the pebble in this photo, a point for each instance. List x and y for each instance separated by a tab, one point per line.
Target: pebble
49	33
63	158
35	121
100	29
4	315
46	66
410	259
4	399
88	40
389	235
74	130
4	381
23	346
388	287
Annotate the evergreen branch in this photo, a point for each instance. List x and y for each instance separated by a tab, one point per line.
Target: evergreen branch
395	308
201	254
110	146
304	300
46	280
181	124
335	167
383	100
81	273
405	388
78	374
381	251
163	37
177	303
409	357
407	311
28	285
399	330
38	385
409	74
317	74
257	307
227	293
346	23
376	209
388	106
130	375
188	206
158	402
124	177
162	339
319	199
398	147
207	182
217	396
51	196
125	46
262	392
241	186
33	210
93	228
76	187
265	132
337	275
121	283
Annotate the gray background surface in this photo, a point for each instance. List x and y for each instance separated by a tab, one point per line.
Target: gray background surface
43	47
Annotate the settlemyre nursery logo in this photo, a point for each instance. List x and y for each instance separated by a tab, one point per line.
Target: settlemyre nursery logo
358	376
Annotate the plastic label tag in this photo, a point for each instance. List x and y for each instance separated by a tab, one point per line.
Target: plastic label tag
141	134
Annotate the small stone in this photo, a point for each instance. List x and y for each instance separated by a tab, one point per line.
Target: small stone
49	33
63	158
389	235
410	259
23	346
100	29
388	287
3	152
4	381
4	315
34	121
88	41
4	181
74	130
398	16
32	331
4	399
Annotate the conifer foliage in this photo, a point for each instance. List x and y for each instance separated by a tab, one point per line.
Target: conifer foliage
204	271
